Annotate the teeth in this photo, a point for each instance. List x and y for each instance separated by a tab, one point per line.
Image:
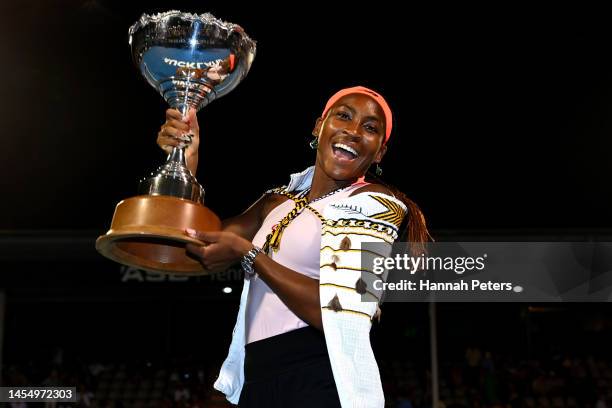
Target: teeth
345	147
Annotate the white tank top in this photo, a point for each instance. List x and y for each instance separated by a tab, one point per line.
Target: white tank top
300	250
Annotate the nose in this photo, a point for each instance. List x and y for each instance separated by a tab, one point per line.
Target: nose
352	130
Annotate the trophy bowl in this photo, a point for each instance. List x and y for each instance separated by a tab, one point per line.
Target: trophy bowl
191	60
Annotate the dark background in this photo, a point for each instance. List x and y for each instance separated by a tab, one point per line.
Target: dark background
502	116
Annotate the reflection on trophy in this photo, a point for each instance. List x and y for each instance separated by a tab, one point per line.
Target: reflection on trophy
191	60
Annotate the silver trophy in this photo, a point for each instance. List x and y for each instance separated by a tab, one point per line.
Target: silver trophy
191	60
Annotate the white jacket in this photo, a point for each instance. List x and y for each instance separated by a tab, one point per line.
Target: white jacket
364	217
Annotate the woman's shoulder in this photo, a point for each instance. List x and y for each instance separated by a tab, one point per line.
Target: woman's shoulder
372	202
373	188
275	199
374	199
271	199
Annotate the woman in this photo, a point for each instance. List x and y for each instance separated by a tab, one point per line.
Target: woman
300	248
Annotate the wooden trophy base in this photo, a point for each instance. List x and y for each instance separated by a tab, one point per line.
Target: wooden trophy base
148	233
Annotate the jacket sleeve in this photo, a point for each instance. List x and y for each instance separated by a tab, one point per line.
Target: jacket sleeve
348	300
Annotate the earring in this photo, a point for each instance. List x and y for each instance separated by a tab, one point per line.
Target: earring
314	143
378	170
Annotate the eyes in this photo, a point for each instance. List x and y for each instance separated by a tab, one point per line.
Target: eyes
345	116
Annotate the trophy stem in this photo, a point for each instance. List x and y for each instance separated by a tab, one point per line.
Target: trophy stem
177	156
174	179
184	109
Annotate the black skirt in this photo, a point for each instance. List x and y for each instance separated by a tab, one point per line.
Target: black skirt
290	370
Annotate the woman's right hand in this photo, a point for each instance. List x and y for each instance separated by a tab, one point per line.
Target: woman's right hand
176	131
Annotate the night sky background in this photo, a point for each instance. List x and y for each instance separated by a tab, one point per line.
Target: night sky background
503	116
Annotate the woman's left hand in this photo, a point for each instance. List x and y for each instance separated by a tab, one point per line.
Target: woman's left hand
220	249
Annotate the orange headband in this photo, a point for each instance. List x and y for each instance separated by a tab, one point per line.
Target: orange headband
363	90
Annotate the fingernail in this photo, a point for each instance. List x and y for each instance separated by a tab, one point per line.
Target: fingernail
190	231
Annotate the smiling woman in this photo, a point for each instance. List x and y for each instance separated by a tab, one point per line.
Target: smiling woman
351	135
302	334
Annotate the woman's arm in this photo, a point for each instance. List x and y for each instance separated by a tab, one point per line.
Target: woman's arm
248	223
299	292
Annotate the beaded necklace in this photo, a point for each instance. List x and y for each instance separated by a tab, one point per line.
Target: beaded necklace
273	238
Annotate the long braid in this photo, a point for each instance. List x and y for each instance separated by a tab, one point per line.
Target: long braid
413	229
